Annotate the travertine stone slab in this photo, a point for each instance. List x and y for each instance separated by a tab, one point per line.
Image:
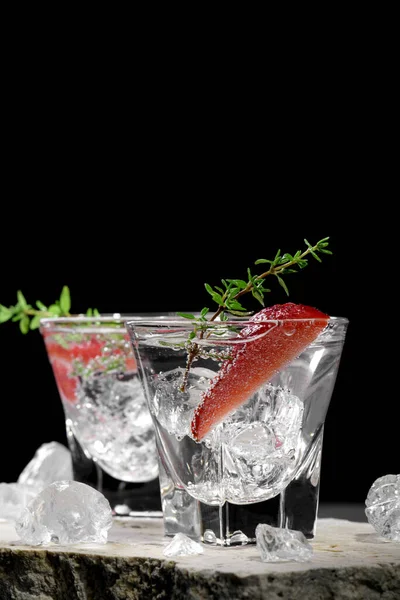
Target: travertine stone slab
350	561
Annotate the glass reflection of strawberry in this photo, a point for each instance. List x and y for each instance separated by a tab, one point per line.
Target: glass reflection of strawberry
253	363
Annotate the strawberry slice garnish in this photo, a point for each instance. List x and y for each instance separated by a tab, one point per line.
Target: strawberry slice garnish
252	364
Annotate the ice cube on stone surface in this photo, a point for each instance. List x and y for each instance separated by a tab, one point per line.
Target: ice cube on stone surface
65	512
277	544
13	499
383	506
238	537
51	462
182	545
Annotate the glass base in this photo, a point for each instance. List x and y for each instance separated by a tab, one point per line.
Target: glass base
126	498
233	524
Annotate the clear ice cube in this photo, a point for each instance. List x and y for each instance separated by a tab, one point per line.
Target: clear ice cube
51	462
238	537
182	545
209	537
253	443
276	544
65	512
13	499
174	409
383	506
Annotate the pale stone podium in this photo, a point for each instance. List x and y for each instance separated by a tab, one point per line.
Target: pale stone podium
350	561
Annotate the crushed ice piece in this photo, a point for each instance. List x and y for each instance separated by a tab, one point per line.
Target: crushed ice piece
65	512
182	545
383	506
114	425
238	537
122	510
209	537
51	462
276	544
13	499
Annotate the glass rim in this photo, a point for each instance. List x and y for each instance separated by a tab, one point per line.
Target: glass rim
183	322
97	324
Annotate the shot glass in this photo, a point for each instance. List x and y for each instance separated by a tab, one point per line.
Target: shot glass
109	429
259	464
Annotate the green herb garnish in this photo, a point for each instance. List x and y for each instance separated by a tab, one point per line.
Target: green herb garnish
29	317
227	297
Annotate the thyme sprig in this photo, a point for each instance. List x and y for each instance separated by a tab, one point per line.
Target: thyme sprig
227	297
29	317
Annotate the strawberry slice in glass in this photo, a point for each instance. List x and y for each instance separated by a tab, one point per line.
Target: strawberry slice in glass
277	335
61	359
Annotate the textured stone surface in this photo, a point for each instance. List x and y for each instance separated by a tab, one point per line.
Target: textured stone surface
350	562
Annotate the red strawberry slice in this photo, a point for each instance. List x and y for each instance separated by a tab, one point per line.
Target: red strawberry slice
255	362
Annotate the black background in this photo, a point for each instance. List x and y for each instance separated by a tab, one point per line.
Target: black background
135	200
156	262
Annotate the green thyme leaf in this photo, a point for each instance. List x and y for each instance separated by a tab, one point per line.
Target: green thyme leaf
29	317
35	322
21	299
24	324
55	310
65	300
283	284
218	299
5	314
240	283
186	315
258	296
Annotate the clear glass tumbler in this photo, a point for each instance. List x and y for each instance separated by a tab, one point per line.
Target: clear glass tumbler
109	428
261	462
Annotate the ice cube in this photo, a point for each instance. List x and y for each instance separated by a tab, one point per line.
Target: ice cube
174	409
254	443
51	462
383	506
13	499
65	512
280	411
182	545
276	544
209	537
287	415
238	537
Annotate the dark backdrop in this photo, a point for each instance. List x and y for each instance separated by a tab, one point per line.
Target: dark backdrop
136	189
154	254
